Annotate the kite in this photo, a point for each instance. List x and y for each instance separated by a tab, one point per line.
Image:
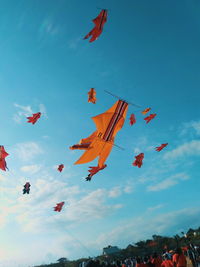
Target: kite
3	155
59	206
149	118
144	112
93	171
26	188
34	118
100	143
159	148
132	119
92	96
138	160
60	167
99	22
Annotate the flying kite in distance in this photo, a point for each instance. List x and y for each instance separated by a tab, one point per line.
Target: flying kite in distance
34	117
93	171
60	167
3	155
132	119
159	148
99	22
92	96
100	143
59	206
138	160
26	188
150	117
145	111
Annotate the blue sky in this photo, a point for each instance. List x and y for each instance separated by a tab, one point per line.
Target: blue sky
148	54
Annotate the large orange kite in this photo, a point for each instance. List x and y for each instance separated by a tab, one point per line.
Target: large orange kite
100	143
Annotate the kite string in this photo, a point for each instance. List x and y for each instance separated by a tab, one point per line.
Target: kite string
80	243
138	106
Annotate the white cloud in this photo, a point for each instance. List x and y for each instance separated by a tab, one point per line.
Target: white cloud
159	206
22	113
31	168
27	151
115	192
139	228
73	44
48	27
128	189
43	110
192	125
188	149
169	182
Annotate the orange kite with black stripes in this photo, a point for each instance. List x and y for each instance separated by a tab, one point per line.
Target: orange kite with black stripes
100	143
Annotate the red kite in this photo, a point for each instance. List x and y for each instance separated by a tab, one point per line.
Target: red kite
92	96
3	155
149	118
144	112
93	171
100	143
59	206
26	188
60	167
132	119
99	22
138	160
34	118
159	148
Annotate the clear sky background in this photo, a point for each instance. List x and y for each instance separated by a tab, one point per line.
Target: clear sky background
149	54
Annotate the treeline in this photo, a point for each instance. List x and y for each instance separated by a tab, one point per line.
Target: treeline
142	248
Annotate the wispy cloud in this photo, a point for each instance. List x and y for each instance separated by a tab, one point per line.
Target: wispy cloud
27	151
169	182
31	168
187	149
73	44
115	192
139	228
159	206
23	111
43	110
193	126
48	27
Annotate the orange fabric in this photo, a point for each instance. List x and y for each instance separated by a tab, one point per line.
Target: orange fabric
157	261
167	263
146	111
180	260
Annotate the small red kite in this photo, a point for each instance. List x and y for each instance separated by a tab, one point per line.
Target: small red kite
99	22
3	155
92	96
159	148
34	118
138	160
132	119
59	206
145	111
150	117
60	167
26	188
93	171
